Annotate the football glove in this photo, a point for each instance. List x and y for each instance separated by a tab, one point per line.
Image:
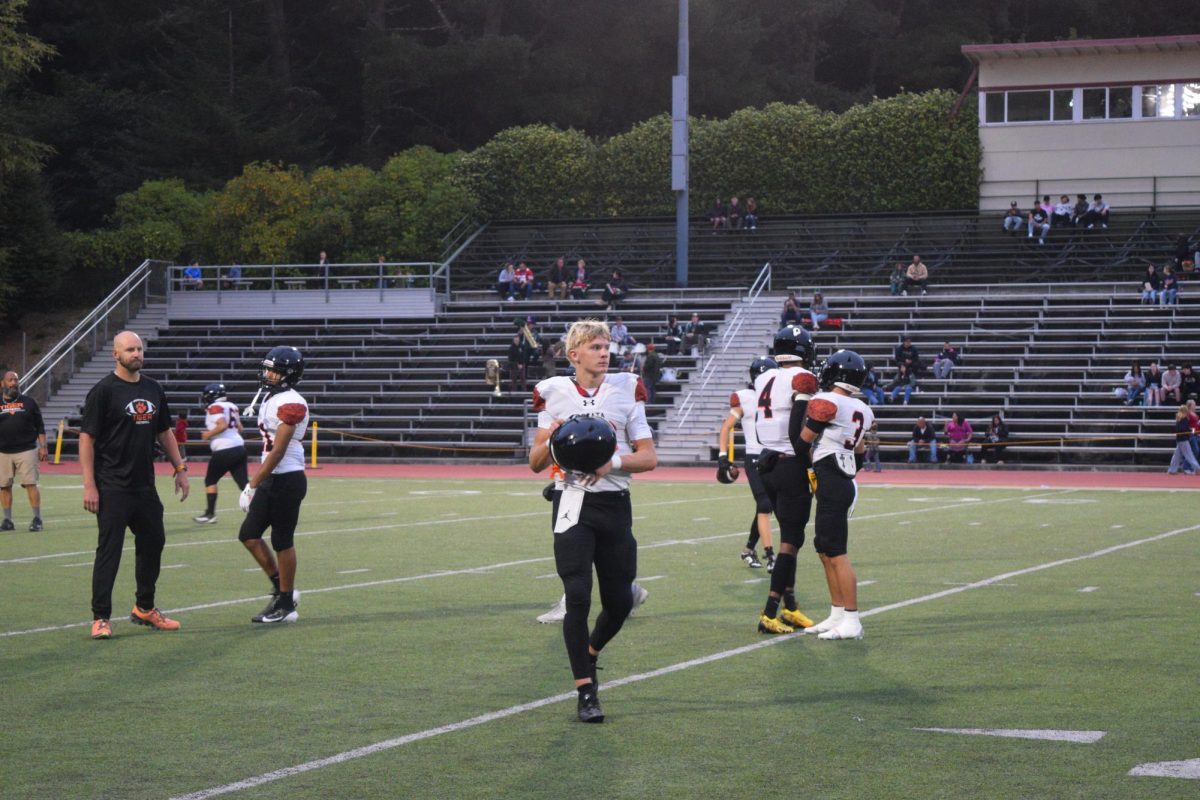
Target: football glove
245	497
812	480
727	472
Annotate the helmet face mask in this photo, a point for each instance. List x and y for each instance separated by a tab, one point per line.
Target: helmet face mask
212	393
583	444
844	369
793	343
281	368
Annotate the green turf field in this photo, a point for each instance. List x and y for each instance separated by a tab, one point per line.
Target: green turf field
417	642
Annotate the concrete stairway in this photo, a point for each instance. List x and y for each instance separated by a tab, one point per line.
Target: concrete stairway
685	436
67	402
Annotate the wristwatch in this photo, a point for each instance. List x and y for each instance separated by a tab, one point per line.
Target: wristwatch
181	467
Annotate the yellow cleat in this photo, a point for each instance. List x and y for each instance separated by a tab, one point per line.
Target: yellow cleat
768	625
795	618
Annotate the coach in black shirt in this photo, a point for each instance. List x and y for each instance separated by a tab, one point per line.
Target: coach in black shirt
22	445
124	414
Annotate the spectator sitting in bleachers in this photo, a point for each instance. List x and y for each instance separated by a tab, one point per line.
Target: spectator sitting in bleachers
1154	392
1097	213
191	277
872	393
1039	220
1172	383
734	214
524	283
906	353
791	312
1013	218
997	433
615	290
1151	284
673	335
1079	211
1135	385
718	216
619	333
916	276
504	281
1189	384
958	434
1060	217
1185	252
818	310
556	280
695	336
896	280
750	220
630	361
904	382
232	277
922	436
1168	292
945	361
580	286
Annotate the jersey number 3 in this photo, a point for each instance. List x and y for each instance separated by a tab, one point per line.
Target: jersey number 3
857	419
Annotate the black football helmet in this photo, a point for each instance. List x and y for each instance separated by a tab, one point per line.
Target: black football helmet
795	343
212	393
583	444
288	362
760	365
845	369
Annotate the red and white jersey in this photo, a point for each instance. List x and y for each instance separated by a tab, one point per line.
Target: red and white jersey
742	404
847	418
230	437
776	390
621	400
285	407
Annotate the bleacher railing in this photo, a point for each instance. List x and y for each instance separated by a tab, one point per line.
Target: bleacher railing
95	330
761	283
327	279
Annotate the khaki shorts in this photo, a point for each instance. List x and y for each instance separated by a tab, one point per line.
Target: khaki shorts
23	465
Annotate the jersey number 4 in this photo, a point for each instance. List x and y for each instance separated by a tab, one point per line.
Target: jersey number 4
764	399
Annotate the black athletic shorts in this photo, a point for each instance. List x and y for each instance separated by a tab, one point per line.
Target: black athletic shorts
836	494
761	501
787	489
231	460
276	505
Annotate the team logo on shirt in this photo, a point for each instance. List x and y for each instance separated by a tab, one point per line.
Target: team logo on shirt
12	408
141	411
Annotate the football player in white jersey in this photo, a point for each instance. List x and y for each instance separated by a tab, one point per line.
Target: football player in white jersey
272	497
592	518
782	395
742	407
836	423
223	431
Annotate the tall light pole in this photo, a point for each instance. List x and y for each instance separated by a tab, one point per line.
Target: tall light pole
679	150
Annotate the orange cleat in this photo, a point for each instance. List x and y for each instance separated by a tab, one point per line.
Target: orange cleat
101	629
153	619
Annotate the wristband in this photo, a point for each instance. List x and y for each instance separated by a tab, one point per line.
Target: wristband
616	462
180	468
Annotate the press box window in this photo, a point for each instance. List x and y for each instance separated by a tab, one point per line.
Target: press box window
1114	103
994	107
1158	101
1028	106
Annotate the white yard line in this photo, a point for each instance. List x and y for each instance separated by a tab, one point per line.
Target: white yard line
388	744
1079	737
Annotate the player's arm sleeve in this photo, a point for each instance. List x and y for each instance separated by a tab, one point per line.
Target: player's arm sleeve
638	428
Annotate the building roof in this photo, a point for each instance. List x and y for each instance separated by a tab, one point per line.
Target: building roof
1078	47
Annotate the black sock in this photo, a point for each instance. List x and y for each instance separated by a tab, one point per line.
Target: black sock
585	688
789	600
768	551
753	538
772	608
275	583
285	601
211	499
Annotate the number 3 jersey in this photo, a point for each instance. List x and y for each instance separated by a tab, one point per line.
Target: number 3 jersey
620	400
777	390
846	419
228	438
284	407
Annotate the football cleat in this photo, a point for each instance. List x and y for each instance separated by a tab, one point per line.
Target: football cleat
589	707
770	557
36	525
639	597
152	619
205	519
846	629
276	613
751	559
7	525
768	625
830	622
795	617
556	613
101	629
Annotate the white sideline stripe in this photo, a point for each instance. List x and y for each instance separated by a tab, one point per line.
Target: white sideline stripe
363	529
350	571
866	583
445	573
545	701
1189	769
1089	588
1081	737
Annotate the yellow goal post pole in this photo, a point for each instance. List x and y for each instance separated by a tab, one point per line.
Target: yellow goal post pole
314	445
62	427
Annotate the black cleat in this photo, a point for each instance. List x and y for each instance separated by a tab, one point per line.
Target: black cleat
36	525
7	525
589	707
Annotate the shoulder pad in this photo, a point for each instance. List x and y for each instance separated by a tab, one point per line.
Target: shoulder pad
735	401
821	410
804	382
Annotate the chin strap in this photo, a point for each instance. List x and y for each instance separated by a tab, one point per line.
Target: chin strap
252	410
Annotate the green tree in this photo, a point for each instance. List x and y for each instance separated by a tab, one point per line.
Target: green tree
20	54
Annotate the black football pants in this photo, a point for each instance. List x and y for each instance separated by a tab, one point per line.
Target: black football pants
142	513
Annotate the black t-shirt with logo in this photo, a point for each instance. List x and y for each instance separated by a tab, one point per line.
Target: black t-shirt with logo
125	418
20	424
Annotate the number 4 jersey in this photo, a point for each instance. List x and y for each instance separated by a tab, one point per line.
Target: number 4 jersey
846	418
777	390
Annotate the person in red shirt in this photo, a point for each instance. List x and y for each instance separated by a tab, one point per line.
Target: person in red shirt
181	426
523	285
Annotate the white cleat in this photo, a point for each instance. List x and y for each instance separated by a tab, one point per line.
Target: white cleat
639	597
555	614
846	629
